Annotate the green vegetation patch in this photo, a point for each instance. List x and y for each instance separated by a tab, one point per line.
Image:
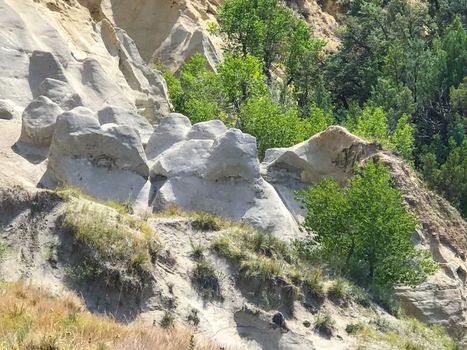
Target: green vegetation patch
112	240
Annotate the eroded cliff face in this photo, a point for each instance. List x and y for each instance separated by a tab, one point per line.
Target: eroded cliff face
81	106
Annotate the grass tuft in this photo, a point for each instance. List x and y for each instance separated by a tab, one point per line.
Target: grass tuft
111	238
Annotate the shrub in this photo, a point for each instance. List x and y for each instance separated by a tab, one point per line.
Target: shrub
204	275
339	291
313	281
120	240
168	320
208	222
324	323
354	328
307	324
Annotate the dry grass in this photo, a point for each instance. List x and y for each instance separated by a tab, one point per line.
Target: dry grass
31	319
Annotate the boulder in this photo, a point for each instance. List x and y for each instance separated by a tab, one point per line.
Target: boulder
61	93
184	40
219	176
172	129
7	110
331	153
233	155
39	120
127	117
106	161
209	130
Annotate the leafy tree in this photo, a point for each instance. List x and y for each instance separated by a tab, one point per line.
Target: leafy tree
367	225
304	68
256	27
271	126
444	164
198	94
241	79
372	123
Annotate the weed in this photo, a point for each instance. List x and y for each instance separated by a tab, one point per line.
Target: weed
339	291
31	319
193	317
205	277
324	324
354	328
4	250
198	250
118	239
207	222
313	281
168	320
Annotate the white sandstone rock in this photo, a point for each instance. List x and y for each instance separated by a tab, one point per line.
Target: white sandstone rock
107	162
172	129
61	93
209	130
219	176
185	39
7	110
331	153
127	117
39	119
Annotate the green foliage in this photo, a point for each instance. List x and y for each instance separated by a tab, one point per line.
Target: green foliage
339	291
324	323
372	123
444	164
204	275
208	222
259	28
111	239
367	225
272	127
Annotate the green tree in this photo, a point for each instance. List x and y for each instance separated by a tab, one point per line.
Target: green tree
256	27
271	126
372	123
304	67
367	225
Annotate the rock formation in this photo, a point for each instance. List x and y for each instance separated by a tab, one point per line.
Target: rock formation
89	99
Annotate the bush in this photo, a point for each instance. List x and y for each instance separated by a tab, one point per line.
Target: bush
208	222
168	320
314	284
324	323
112	239
372	123
339	291
354	328
204	275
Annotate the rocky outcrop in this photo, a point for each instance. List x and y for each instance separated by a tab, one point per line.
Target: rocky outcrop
39	119
106	161
7	110
126	117
63	55
167	32
333	153
209	168
185	39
